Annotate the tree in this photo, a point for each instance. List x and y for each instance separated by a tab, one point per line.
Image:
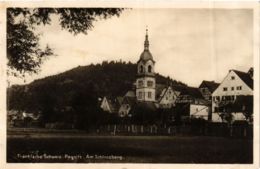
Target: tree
24	53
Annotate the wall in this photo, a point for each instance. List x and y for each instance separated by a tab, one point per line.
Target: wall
201	111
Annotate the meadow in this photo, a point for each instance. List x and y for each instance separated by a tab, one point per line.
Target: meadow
83	148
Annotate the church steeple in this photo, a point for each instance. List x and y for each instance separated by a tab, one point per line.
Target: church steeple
146	42
145	82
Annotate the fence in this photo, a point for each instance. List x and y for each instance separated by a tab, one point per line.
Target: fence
208	129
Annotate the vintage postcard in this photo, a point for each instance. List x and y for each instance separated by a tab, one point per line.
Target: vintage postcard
123	84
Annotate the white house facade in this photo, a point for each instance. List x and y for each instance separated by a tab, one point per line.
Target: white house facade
235	84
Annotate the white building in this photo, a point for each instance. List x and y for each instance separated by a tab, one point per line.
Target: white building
167	97
234	85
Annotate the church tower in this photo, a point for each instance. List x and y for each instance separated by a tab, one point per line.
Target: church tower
145	82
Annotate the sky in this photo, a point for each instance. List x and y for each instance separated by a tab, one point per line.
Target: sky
189	45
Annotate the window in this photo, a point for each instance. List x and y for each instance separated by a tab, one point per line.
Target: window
239	87
232	77
149	94
150	83
223	97
224	88
140	83
141	69
140	95
232	88
217	98
149	68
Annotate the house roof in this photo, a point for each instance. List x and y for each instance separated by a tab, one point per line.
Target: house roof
120	99
130	93
179	88
211	85
159	89
245	77
114	103
129	100
191	91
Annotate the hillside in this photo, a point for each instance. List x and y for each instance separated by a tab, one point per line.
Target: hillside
77	88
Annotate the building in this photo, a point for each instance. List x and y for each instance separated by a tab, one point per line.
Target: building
128	102
145	82
207	88
110	105
191	104
226	97
166	97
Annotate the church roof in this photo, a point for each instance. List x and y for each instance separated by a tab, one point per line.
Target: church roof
146	54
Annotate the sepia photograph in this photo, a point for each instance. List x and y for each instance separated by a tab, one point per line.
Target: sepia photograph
131	84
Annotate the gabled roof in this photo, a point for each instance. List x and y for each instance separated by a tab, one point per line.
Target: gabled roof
129	100
179	88
130	93
211	85
245	77
192	92
159	89
113	103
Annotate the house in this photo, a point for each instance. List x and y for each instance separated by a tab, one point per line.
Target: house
128	101
166	97
191	104
207	88
225	99
110	104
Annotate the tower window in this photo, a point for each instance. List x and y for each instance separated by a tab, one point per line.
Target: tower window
149	68
140	95
150	83
141	69
140	83
149	94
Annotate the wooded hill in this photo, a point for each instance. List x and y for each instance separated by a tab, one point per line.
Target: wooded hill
78	88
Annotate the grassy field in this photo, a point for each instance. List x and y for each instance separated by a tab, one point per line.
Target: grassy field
131	149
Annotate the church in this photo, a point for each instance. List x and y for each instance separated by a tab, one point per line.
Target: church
148	93
145	90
